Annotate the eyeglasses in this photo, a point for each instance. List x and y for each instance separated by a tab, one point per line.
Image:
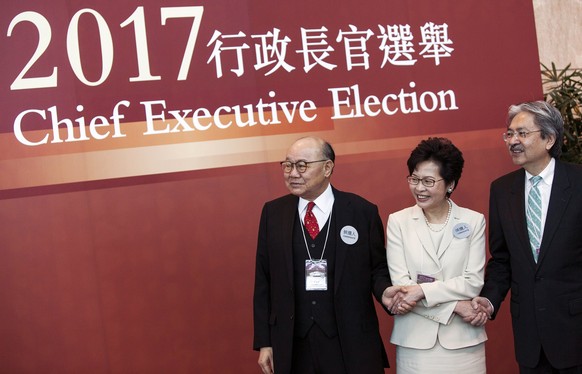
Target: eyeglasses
427	182
301	166
521	134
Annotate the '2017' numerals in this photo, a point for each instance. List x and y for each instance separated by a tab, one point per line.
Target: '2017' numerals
137	18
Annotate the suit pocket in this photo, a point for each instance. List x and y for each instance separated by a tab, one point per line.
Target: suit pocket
575	306
514	307
514	289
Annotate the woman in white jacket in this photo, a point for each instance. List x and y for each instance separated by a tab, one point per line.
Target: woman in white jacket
437	249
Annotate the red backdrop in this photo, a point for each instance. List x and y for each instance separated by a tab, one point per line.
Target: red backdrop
135	253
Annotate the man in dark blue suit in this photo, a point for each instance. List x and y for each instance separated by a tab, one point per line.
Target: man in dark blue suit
320	258
535	240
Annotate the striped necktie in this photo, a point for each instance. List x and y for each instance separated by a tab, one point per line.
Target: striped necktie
533	213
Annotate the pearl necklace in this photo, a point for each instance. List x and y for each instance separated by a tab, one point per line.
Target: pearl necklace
446	221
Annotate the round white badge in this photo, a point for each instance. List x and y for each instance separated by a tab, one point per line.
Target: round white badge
349	235
461	230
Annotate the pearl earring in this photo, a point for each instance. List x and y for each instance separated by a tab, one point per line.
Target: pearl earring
450	190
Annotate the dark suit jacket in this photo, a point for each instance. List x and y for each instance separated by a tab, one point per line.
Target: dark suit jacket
546	298
360	271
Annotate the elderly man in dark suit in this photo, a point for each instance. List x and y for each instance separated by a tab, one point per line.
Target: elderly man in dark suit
535	240
320	258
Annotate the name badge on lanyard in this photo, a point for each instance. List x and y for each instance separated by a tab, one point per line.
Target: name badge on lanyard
316	275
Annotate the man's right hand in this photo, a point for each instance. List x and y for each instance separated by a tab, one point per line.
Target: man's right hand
483	307
469	314
393	300
266	360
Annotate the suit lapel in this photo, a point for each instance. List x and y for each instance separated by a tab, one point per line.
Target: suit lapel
287	218
448	234
423	233
342	214
559	198
419	226
516	209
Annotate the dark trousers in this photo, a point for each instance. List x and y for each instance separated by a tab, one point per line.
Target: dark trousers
317	354
544	367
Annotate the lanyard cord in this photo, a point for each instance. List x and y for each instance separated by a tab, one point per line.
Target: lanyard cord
324	244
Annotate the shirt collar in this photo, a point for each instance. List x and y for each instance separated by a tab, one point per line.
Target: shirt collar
547	174
324	201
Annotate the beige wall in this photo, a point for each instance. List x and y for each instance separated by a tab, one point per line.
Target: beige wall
559	31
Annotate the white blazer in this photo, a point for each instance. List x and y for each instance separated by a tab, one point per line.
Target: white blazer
457	266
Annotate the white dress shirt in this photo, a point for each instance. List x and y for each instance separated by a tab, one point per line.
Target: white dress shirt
322	208
545	187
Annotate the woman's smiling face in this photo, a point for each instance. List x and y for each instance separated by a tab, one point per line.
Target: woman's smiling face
428	197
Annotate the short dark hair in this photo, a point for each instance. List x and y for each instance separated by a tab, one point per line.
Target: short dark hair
327	151
546	117
443	153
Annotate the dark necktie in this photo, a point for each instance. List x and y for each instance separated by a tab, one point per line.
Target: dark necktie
310	221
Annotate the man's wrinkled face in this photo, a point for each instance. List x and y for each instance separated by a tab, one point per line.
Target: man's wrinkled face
315	179
531	152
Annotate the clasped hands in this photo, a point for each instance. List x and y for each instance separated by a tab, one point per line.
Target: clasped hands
400	300
476	312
